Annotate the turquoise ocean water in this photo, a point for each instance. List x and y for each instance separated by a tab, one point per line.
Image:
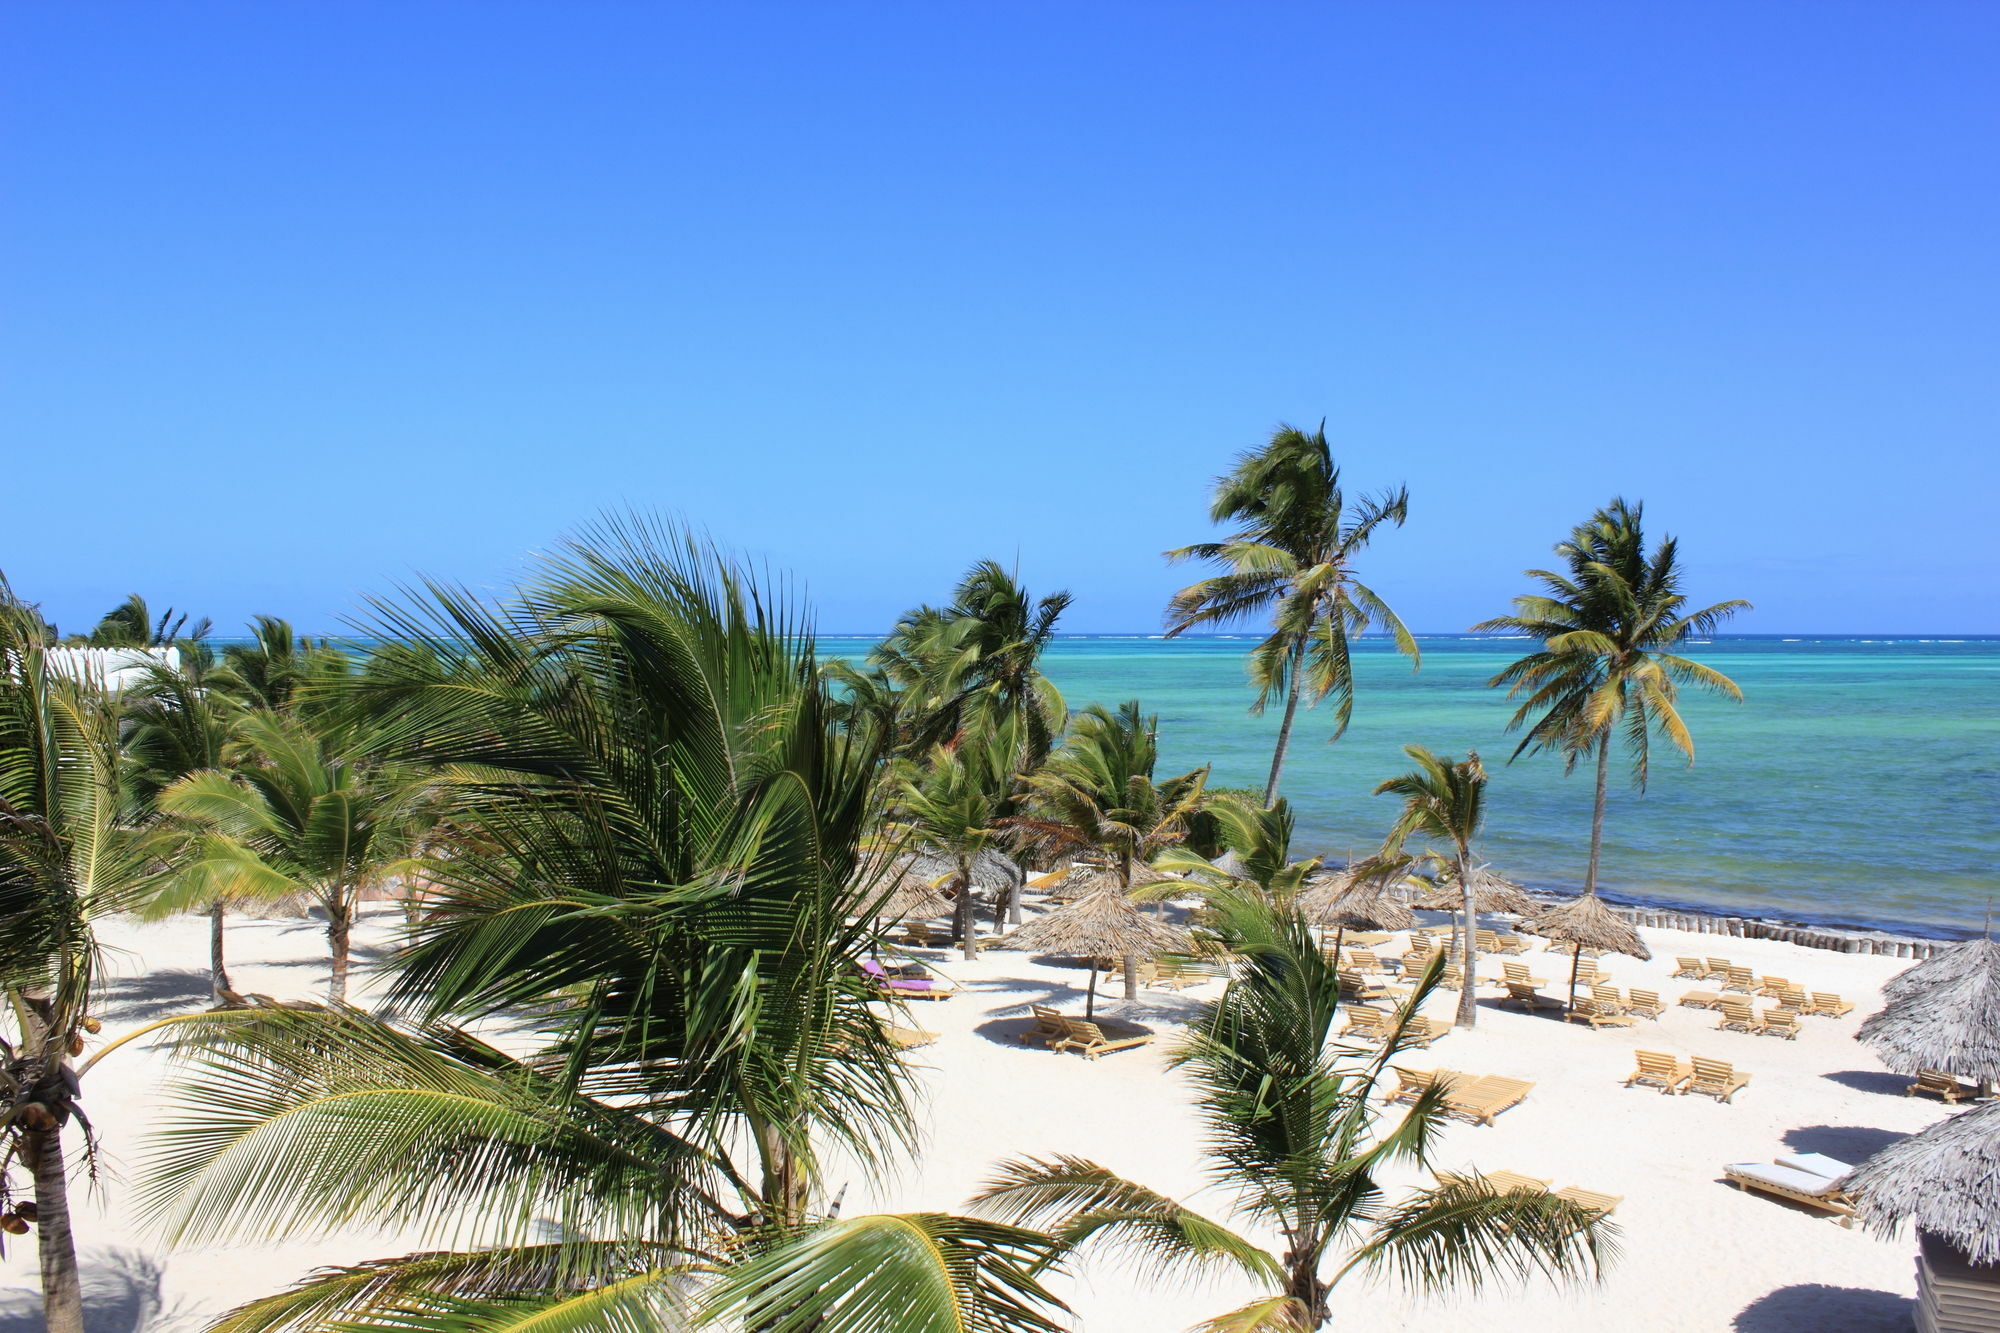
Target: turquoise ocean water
1857	783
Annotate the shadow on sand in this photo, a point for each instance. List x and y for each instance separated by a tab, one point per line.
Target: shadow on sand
121	1294
153	995
1870	1080
1825	1309
1848	1143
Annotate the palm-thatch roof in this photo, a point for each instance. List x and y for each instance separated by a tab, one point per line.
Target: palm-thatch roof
1944	1179
1104	924
1083	883
1588	923
1339	900
1490	893
1943	966
916	896
990	869
1947	1017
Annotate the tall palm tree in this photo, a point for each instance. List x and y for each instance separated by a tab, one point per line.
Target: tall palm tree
1291	558
303	812
665	826
69	857
1444	801
278	667
173	727
132	624
1258	837
953	803
1607	624
1295	1137
1097	794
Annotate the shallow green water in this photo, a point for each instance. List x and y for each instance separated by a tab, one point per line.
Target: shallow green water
1858	782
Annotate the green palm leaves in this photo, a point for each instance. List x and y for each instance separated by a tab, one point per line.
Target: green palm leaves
1292	558
1444	802
1097	794
1607	623
1296	1140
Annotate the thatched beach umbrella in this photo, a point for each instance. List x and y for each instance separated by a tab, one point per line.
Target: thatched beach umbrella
1586	923
1082	883
1944	1013
1347	901
1944	1179
1107	924
1490	893
916	895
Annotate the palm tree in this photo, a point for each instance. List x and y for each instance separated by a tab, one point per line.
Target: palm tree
173	727
69	857
1445	801
953	803
1097	794
1606	625
132	624
665	828
276	669
1258	837
1294	1135
303	812
1292	558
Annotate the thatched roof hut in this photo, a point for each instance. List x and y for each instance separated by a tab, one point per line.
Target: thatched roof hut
1352	904
1106	924
1490	893
1946	1017
1944	1179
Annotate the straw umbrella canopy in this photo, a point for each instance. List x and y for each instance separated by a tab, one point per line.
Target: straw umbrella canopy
1944	1013
1105	924
1490	893
1587	923
915	895
1084	883
1944	1179
1347	901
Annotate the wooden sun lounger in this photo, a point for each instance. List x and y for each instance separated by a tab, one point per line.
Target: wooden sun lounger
1518	972
1829	1005
1657	1069
1411	1082
1048	1027
1772	988
1937	1083
1372	1025
1500	1182
1716	1078
1718	968
1691	968
1737	1016
1101	1037
1528	997
1779	1023
1700	999
1600	1205
1644	1004
1483	1098
1740	979
1805	1178
1594	1013
908	1039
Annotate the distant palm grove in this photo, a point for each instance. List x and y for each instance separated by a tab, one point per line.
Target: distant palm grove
633	1032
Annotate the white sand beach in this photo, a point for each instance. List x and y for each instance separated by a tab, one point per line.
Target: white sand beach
1697	1254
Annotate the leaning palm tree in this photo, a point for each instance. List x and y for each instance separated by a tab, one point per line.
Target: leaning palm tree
303	812
1296	1139
1444	801
1608	622
1292	557
657	892
1097	794
69	857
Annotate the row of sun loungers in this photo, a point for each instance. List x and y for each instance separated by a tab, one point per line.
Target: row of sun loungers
1742	980
1090	1038
1710	1078
1374	1026
1477	1098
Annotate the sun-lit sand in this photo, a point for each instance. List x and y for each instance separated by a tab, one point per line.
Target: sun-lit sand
1696	1253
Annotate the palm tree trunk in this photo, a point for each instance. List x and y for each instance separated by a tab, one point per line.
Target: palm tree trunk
218	970
1597	812
1285	727
62	1286
1131	976
1090	996
339	939
1468	1000
967	926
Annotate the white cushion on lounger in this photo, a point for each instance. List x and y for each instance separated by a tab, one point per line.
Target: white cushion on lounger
1817	1163
1784	1177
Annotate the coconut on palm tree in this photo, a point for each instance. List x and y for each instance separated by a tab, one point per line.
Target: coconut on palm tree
1444	801
663	829
1291	558
1609	623
1296	1139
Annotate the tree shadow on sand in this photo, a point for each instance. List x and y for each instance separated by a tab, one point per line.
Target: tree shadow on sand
1825	1309
121	1294
153	995
1848	1143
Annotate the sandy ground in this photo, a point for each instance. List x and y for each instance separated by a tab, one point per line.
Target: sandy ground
1697	1253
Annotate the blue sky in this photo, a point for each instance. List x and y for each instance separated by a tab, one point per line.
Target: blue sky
301	299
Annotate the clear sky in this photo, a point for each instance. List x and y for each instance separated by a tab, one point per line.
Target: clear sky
299	299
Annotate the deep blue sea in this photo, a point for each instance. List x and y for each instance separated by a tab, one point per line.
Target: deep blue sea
1857	783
